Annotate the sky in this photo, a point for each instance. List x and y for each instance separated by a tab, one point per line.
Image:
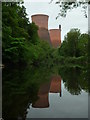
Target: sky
74	19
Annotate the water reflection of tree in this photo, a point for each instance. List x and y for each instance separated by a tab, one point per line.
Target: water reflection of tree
74	79
17	93
20	88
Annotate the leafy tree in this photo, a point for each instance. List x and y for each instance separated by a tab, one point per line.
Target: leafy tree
69	47
66	6
63	50
32	31
83	44
72	39
21	43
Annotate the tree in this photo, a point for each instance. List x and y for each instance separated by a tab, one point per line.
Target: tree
72	39
63	50
66	6
14	32
21	43
32	31
83	45
69	47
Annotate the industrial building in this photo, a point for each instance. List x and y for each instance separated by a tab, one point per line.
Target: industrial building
53	36
42	22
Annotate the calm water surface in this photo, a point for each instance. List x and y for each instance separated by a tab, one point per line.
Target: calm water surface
45	93
59	105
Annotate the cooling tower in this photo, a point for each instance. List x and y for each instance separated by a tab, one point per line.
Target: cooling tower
55	37
42	101
41	21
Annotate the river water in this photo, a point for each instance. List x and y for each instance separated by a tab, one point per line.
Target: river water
54	105
45	93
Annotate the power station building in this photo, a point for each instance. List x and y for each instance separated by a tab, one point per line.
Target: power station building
53	36
42	22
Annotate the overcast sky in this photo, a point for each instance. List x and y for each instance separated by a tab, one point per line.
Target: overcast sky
74	18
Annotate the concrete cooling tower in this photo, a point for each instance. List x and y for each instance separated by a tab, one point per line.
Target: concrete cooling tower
41	21
55	37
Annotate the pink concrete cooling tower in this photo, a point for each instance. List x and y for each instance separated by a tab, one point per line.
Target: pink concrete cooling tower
41	21
55	37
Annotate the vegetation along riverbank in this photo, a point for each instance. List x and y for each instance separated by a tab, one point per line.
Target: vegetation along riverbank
21	44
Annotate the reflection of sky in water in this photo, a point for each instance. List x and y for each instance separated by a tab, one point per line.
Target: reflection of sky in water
67	106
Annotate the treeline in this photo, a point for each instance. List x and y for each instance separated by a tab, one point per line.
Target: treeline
22	45
20	41
74	48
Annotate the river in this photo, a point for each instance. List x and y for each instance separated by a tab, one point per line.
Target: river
57	92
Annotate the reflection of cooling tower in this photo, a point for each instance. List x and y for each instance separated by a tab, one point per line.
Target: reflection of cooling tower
42	22
55	36
42	101
55	86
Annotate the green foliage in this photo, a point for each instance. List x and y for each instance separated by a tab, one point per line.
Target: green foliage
15	51
63	49
74	78
32	31
21	43
72	39
83	44
74	44
73	50
66	6
13	35
22	85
